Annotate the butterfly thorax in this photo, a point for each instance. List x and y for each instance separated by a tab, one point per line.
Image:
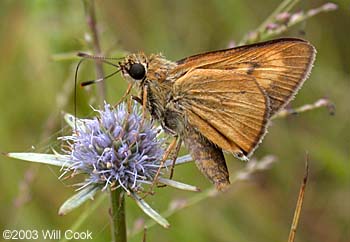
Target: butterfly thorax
160	96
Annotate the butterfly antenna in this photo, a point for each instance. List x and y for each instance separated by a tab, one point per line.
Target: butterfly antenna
75	92
100	58
87	83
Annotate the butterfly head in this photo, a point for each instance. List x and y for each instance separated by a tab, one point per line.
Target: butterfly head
134	67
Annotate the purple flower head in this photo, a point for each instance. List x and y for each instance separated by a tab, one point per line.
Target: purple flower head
117	148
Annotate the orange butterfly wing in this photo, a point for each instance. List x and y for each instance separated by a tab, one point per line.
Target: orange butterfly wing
279	66
227	108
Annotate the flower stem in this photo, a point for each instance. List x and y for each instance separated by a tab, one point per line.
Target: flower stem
92	24
284	6
117	213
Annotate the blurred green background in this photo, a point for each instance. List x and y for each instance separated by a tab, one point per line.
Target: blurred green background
36	72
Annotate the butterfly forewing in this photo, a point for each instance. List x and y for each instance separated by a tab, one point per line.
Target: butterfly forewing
227	108
279	66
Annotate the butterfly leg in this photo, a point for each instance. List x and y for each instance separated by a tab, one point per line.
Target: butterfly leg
128	90
176	153
164	158
144	102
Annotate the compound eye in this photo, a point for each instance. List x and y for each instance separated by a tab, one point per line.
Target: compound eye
137	71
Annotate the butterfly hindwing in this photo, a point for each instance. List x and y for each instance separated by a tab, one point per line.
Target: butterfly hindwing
227	108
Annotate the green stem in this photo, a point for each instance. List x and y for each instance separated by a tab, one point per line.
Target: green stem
117	213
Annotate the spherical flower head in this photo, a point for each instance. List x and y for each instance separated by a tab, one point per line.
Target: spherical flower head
118	148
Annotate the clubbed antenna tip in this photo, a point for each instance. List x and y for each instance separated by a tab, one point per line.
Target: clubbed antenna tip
82	54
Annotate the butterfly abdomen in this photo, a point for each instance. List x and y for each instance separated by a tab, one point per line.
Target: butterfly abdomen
208	157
